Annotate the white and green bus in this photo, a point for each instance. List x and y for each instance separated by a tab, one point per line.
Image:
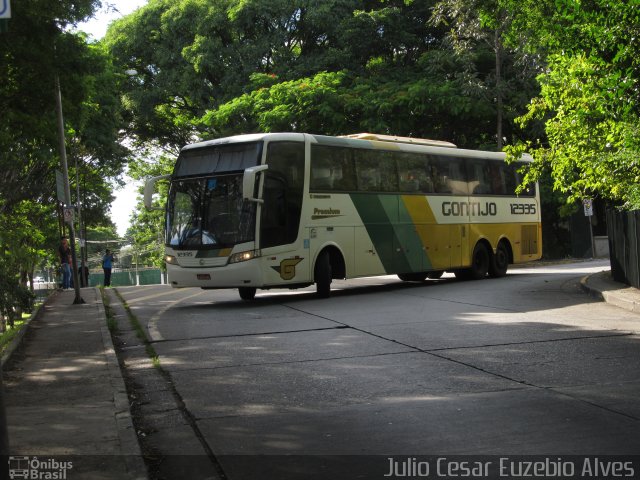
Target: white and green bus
287	210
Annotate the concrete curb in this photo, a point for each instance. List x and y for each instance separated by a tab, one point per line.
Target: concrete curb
18	339
614	296
129	446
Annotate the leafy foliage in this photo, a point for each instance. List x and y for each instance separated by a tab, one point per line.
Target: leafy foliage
35	50
146	231
588	102
209	69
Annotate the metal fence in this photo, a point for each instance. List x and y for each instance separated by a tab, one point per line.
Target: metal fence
624	246
121	278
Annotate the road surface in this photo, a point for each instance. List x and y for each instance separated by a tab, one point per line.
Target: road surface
527	364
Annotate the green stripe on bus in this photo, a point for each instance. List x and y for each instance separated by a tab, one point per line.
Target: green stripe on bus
394	236
378	226
414	248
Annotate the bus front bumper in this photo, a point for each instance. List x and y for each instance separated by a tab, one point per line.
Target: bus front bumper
242	274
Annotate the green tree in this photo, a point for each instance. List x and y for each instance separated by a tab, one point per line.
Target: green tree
588	99
202	69
436	98
146	231
191	57
486	28
36	48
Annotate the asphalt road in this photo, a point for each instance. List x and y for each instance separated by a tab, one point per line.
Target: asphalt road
523	365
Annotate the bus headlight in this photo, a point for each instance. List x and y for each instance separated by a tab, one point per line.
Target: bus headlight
244	256
170	259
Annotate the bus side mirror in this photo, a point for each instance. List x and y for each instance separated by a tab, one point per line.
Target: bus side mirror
249	183
149	190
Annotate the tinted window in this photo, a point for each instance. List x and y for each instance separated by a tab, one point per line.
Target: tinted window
332	169
218	158
491	177
282	194
447	175
376	171
413	173
345	169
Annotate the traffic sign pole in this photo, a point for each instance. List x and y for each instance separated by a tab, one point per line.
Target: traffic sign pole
67	192
587	203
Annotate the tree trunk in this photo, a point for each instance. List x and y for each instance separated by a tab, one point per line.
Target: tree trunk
499	106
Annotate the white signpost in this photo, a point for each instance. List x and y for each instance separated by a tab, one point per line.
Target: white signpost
5	9
587	203
68	215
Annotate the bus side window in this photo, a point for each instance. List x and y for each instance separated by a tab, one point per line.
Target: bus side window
439	169
332	169
367	172
412	173
320	168
457	179
342	170
376	171
321	176
496	178
511	178
478	178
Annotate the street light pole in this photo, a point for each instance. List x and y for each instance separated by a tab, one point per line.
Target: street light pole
67	192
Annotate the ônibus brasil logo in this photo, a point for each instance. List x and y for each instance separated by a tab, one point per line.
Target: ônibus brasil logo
34	468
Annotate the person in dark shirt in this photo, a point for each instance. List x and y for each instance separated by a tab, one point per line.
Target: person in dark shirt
65	262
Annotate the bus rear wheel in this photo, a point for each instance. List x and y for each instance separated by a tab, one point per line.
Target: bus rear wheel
247	293
499	261
435	275
323	275
479	264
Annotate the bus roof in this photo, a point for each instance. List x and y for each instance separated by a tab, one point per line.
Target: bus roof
396	139
248	137
375	141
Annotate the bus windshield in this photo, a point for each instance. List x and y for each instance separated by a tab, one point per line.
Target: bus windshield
209	213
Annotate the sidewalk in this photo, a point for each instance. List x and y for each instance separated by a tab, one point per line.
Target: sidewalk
65	397
601	285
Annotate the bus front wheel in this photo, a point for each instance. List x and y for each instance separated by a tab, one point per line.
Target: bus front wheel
247	293
323	275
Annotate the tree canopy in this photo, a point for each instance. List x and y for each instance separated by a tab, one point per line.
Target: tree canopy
206	69
588	99
36	47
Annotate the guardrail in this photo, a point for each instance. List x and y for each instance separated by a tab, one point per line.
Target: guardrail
624	246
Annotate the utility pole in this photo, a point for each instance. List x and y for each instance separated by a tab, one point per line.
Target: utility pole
83	236
67	192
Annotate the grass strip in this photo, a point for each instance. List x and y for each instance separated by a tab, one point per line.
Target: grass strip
8	335
112	321
151	352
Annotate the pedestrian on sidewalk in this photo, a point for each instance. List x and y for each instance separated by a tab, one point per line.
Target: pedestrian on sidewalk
107	264
65	262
